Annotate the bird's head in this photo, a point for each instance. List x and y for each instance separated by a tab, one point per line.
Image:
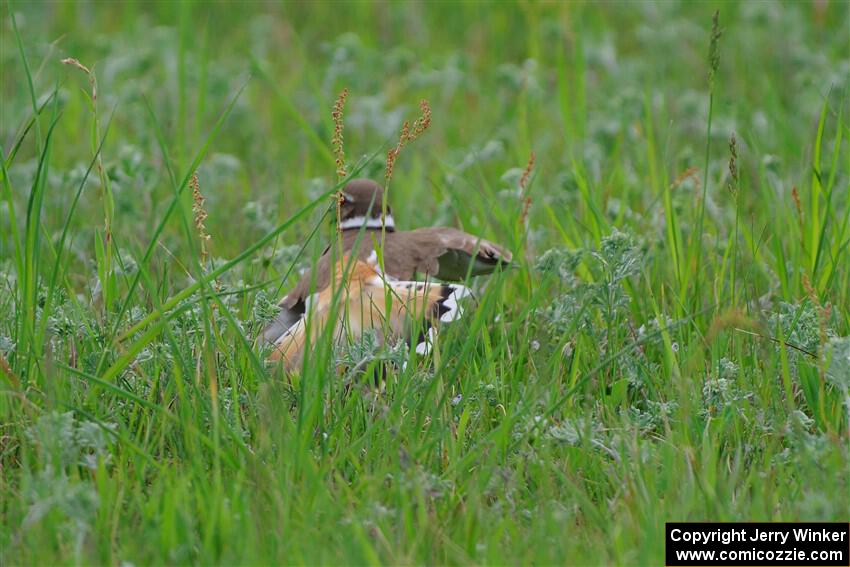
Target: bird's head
363	204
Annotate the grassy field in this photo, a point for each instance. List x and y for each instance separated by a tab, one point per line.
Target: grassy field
674	345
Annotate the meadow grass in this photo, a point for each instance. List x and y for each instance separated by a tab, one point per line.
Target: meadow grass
672	346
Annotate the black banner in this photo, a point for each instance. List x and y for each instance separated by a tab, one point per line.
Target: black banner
743	543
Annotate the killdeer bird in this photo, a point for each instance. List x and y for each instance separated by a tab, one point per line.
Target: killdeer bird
442	252
363	299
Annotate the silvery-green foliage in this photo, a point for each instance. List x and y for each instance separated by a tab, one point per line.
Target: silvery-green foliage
265	308
510	179
76	501
561	263
126	266
525	77
568	312
345	55
580	431
62	445
191	313
800	326
129	172
803	441
283	258
502	487
453	75
369	348
565	432
262	216
316	187
62	441
650	332
372	113
489	151
634	366
416	478
220	170
157	352
353	353
616	209
650	415
63	320
487	393
721	391
837	357
619	256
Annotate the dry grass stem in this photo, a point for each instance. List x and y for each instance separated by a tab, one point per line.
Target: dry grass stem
408	135
200	216
524	188
691	172
795	196
337	140
7	371
733	166
714	48
92	80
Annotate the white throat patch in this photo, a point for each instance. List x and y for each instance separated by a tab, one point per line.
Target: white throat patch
371	222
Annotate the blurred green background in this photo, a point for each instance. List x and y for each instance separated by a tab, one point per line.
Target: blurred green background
572	81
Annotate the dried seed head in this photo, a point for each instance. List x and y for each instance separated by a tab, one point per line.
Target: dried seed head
7	371
337	141
732	318
75	63
733	165
92	80
200	215
714	48
795	195
408	135
393	153
692	173
523	186
421	124
526	175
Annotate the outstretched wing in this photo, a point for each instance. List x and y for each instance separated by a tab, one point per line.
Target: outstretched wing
447	253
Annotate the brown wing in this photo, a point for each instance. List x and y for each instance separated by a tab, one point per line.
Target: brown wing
451	254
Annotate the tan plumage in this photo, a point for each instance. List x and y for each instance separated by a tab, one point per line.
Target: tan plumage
367	300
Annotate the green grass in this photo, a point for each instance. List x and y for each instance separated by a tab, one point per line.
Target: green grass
631	371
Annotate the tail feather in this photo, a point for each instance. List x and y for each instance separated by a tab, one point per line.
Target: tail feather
446	309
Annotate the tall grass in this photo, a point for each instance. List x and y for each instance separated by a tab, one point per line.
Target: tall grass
671	346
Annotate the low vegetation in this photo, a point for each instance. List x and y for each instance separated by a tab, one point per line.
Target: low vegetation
673	345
